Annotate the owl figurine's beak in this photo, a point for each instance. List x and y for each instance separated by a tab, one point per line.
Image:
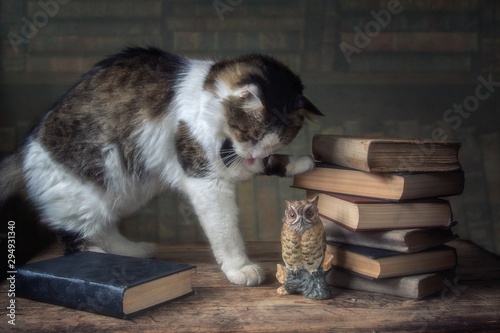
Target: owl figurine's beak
302	221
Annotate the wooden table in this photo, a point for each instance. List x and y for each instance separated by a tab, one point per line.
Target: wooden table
470	305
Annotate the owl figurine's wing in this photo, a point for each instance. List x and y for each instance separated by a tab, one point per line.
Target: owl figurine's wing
291	249
313	245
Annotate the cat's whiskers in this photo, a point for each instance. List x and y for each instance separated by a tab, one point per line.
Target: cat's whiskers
230	157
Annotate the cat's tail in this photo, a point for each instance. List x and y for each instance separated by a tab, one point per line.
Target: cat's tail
11	176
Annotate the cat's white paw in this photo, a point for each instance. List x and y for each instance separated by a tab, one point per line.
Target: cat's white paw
249	275
299	165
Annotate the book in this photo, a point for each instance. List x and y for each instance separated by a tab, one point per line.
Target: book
360	213
391	186
402	62
416	41
386	155
415	286
406	240
422	6
103	283
378	263
431	21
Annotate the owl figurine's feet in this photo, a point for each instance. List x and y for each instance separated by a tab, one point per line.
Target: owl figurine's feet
313	287
310	284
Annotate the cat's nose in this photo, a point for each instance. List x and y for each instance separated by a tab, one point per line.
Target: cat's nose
258	152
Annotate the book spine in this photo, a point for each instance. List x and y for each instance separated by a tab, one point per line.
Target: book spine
71	293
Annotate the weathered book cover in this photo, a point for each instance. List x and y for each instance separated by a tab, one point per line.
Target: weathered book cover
405	241
379	263
103	283
392	186
372	154
360	213
414	287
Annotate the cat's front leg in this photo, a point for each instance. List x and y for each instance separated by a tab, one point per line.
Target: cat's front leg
214	202
287	165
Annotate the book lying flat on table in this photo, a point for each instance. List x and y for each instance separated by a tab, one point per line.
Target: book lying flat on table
360	213
104	283
386	155
330	178
406	240
415	286
377	263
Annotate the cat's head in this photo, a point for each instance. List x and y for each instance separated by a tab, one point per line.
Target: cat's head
263	103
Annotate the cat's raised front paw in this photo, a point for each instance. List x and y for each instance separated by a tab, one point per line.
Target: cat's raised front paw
299	165
249	275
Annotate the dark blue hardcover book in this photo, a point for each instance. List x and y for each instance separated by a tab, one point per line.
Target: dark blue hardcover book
103	283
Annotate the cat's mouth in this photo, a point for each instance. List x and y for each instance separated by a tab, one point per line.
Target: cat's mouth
229	155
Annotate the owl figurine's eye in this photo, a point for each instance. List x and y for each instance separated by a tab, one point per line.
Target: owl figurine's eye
309	213
291	214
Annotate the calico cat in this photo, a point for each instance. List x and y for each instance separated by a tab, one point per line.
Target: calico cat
145	120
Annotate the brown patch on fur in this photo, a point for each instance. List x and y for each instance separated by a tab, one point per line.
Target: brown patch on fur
105	108
275	165
243	124
294	123
190	153
233	71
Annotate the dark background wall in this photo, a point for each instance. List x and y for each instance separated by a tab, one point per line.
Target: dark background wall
394	68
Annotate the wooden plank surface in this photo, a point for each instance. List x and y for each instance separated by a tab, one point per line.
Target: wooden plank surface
470	304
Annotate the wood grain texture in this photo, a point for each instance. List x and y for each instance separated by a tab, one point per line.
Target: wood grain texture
471	304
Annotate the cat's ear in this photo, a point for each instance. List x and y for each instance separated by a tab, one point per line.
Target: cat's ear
303	105
249	93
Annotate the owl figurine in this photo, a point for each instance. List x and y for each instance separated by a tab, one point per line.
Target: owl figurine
303	239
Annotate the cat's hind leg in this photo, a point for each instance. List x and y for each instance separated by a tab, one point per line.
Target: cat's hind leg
80	212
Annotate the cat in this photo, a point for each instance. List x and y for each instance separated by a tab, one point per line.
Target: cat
145	120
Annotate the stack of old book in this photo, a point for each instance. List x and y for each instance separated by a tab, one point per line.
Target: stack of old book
378	200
